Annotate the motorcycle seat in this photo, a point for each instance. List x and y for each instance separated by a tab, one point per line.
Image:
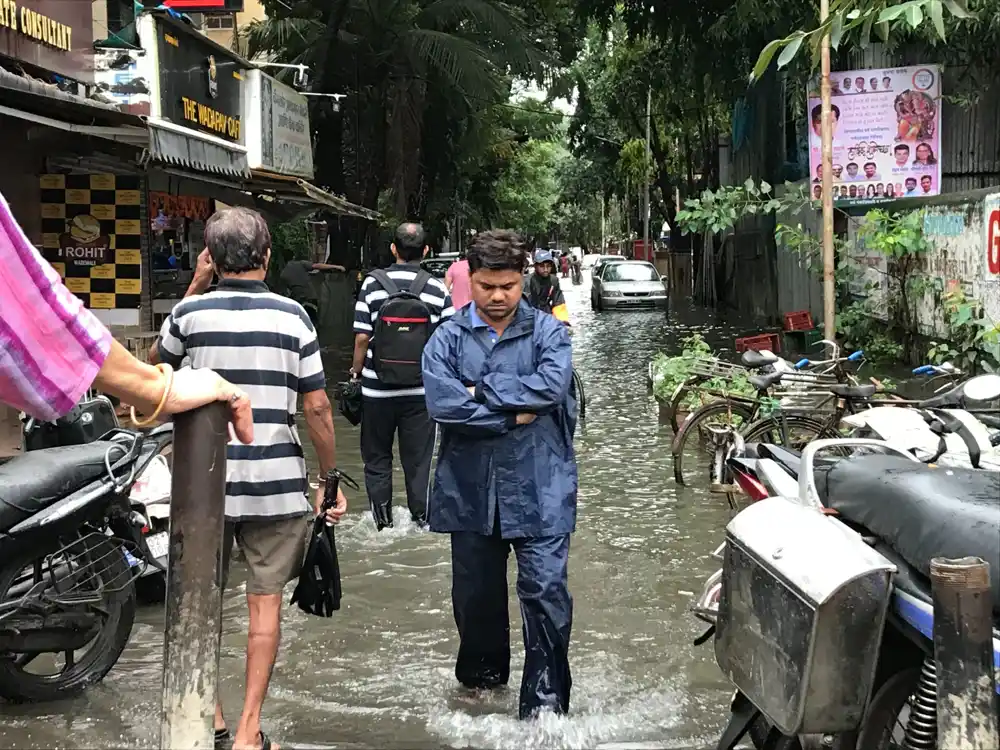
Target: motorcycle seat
914	583
856	392
34	481
789	460
919	511
754	359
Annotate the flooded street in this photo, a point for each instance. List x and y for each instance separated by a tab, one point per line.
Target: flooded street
379	673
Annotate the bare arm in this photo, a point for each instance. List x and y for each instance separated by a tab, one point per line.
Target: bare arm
319	421
130	380
360	352
328	267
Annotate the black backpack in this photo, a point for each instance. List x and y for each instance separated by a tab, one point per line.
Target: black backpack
403	328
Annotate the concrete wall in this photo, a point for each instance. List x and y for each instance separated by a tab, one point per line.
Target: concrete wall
958	225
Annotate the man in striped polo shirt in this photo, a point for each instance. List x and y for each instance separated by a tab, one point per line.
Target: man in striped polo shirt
388	410
267	345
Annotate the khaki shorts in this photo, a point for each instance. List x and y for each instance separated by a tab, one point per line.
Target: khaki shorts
274	551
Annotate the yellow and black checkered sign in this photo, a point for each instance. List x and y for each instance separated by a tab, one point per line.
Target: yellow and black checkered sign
92	235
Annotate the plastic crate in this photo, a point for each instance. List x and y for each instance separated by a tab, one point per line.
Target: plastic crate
803	342
762	341
799	321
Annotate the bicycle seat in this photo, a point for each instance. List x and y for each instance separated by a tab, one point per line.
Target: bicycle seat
763	382
754	360
855	392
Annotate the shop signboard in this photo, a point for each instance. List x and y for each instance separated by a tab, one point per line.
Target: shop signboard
55	35
277	121
199	84
92	235
198	6
886	134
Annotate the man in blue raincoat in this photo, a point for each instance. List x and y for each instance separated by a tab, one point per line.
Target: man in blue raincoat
497	381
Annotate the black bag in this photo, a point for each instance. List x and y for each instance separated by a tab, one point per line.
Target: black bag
318	591
350	401
403	328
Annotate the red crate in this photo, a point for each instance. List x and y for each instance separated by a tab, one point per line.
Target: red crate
762	341
799	321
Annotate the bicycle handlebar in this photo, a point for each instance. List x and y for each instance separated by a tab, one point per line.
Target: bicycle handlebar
805	362
936	370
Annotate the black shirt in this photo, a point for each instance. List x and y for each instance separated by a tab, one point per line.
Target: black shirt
295	277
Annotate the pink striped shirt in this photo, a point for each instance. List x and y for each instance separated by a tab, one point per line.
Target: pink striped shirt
51	346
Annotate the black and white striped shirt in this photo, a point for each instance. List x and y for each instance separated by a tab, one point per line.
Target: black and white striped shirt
265	344
370	300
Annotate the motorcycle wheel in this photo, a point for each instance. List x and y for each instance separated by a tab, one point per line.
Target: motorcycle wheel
110	570
880	729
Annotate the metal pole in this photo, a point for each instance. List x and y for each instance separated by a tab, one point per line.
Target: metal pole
829	290
194	595
646	177
963	654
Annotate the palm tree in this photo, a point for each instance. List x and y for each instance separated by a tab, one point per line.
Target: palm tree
387	55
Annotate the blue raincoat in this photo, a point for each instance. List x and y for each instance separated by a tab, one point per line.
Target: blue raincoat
485	458
499	487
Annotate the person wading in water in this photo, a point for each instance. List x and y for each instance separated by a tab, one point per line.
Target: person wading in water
497	379
542	290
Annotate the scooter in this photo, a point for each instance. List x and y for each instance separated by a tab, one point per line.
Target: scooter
881	517
940	429
88	421
71	548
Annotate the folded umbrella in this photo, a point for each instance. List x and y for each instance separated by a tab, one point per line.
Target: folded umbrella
318	591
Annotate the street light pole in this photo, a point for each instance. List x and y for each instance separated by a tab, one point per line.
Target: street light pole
645	229
826	127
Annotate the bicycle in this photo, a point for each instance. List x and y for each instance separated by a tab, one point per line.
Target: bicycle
721	420
849	396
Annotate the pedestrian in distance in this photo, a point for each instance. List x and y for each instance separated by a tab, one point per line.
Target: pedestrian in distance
456	279
542	289
498	380
296	278
395	315
266	344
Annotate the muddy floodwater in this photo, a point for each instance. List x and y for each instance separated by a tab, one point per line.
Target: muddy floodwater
379	674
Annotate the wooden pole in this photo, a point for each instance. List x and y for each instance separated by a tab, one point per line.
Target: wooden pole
646	178
963	654
194	579
829	288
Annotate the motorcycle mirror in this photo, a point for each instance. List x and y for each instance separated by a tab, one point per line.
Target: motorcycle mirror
982	388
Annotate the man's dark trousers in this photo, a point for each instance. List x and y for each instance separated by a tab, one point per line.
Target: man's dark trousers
381	420
479	597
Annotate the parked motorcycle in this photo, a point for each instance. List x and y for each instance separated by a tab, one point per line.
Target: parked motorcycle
941	429
71	547
88	421
822	612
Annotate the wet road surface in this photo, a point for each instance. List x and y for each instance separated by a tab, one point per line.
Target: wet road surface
379	674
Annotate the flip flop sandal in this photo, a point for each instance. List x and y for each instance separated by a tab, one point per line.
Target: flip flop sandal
265	741
222	738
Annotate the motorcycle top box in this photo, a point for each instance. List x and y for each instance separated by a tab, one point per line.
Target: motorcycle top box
801	614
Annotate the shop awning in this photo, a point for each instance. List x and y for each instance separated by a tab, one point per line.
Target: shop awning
287	189
335	203
188	149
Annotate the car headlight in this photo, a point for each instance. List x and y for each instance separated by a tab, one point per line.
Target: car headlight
612	294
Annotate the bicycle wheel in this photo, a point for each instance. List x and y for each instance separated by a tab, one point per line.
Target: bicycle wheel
685	448
793	431
581	396
680	393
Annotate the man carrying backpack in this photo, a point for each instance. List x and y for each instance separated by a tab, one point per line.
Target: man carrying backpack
397	310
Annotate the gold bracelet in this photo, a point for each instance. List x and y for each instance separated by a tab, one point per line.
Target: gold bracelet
169	372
